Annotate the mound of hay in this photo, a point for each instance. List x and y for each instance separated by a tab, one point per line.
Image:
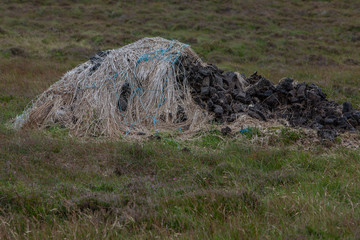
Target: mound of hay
122	91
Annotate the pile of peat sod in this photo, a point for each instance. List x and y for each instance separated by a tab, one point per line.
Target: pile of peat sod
228	95
158	84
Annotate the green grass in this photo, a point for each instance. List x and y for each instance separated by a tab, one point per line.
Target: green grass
117	188
208	187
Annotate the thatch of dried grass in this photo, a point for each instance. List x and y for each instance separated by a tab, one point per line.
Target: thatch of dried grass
87	102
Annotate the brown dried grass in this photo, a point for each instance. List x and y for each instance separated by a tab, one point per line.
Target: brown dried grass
75	103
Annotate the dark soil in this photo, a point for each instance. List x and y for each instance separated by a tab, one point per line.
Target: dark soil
303	105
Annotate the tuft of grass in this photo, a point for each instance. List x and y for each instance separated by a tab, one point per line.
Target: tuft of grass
289	136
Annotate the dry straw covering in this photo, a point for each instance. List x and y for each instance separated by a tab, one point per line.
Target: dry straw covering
121	92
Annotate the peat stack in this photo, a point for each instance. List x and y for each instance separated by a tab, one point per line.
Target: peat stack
156	84
228	95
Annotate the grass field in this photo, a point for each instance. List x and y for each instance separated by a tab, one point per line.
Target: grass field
211	187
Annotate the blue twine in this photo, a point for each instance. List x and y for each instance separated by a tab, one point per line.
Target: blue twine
246	130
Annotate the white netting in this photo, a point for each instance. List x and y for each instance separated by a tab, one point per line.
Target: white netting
126	90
